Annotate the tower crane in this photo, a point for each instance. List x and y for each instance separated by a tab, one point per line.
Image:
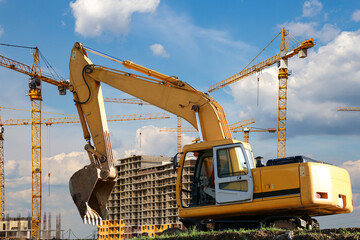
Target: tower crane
36	77
282	59
349	109
247	131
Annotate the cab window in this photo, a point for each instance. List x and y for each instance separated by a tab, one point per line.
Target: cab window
231	162
250	158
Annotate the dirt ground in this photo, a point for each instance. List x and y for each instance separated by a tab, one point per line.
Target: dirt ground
328	234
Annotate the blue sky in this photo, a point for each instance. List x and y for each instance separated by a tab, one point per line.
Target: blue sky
201	42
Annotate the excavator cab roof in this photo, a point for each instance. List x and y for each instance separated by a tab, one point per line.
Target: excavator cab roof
210	144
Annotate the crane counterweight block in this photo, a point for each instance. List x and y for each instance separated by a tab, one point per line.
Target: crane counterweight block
90	193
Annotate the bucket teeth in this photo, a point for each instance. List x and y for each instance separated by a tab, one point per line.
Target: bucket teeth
91	216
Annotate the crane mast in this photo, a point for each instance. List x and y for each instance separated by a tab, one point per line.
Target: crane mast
282	96
2	180
178	136
35	98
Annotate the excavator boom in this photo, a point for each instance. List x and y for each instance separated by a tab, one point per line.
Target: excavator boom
91	186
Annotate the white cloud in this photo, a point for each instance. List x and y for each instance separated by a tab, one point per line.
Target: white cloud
95	17
319	84
327	33
159	50
321	33
356	16
353	167
63	166
12	168
18	181
154	142
311	8
1	30
18	198
311	30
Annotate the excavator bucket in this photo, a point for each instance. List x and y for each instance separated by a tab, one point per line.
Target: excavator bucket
90	193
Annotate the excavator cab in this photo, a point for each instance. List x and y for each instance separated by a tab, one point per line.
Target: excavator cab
222	175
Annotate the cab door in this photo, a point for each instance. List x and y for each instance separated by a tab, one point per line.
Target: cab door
233	178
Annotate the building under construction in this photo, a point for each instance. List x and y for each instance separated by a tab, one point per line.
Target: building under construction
20	227
15	227
143	200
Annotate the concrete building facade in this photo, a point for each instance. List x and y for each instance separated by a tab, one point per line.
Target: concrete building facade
143	200
15	228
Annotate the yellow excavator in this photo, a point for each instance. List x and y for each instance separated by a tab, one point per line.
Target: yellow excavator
230	188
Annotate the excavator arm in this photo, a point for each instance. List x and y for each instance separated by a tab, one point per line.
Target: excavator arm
165	92
91	186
